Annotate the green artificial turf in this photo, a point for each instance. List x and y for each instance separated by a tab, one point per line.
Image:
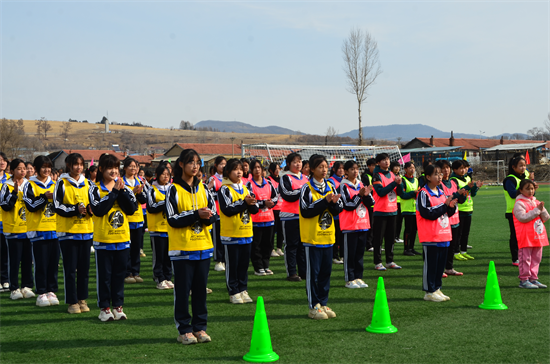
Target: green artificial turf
449	332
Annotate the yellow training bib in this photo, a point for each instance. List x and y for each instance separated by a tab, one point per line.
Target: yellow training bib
236	226
45	219
157	222
112	227
76	224
318	230
15	220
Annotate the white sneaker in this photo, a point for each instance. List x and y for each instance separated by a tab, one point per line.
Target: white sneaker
260	272
397	240
92	250
27	292
106	315
169	284
223	265
434	297
352	284
6	285
274	253
53	299
119	314
236	298
16	295
245	297
445	298
361	283
337	261
371	249
280	252
219	267
162	285
43	301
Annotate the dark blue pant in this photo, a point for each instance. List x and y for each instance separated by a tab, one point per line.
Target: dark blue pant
370	233
464	230
20	252
237	258
162	267
410	232
513	238
261	247
384	228
46	260
319	268
398	222
134	260
219	250
338	247
294	249
190	275
354	250
278	230
3	259
455	243
110	274
434	265
76	256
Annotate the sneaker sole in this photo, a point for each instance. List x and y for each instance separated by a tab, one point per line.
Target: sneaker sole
39	305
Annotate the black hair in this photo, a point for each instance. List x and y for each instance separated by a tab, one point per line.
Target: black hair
73	159
15	163
525	182
4	157
408	164
380	157
290	158
245	160
89	171
212	170
466	163
426	163
28	164
149	174
394	164
127	163
314	162
252	165
335	167
514	162
160	170
106	161
371	161
272	168
305	163
443	163
430	170
231	165
349	164
186	156
219	159
457	164
42	161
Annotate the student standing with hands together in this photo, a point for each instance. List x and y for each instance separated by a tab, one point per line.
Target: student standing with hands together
190	210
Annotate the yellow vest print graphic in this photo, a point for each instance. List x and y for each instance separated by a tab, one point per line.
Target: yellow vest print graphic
240	225
45	219
318	230
112	227
15	221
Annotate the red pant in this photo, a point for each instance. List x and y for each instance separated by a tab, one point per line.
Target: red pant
529	261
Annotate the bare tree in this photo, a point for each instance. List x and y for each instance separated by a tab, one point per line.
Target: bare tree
12	134
361	65
43	126
330	134
66	129
186	125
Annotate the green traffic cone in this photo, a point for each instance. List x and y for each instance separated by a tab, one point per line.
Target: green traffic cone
381	321
492	300
261	350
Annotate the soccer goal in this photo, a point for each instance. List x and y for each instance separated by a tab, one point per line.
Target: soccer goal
490	172
269	153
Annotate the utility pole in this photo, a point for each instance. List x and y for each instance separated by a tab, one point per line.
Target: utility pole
232	147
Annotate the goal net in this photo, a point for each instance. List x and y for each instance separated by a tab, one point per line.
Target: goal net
492	173
269	153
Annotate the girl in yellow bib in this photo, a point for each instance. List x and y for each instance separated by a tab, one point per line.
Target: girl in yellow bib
190	210
318	205
15	230
236	205
158	227
111	204
135	220
41	227
74	231
4	285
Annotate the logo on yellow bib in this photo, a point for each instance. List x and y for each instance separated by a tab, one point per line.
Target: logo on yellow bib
22	214
116	219
325	220
48	210
245	217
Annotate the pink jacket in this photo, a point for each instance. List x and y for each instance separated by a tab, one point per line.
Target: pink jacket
523	216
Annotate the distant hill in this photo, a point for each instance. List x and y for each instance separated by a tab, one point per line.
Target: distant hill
410	131
238	127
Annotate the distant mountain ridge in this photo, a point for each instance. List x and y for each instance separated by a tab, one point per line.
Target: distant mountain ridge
386	132
238	127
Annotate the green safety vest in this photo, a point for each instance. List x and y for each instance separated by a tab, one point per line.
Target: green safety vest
409	205
509	200
468	205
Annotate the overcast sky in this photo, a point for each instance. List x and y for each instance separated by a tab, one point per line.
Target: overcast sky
461	65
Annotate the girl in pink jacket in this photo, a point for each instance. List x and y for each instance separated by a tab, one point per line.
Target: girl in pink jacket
529	218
